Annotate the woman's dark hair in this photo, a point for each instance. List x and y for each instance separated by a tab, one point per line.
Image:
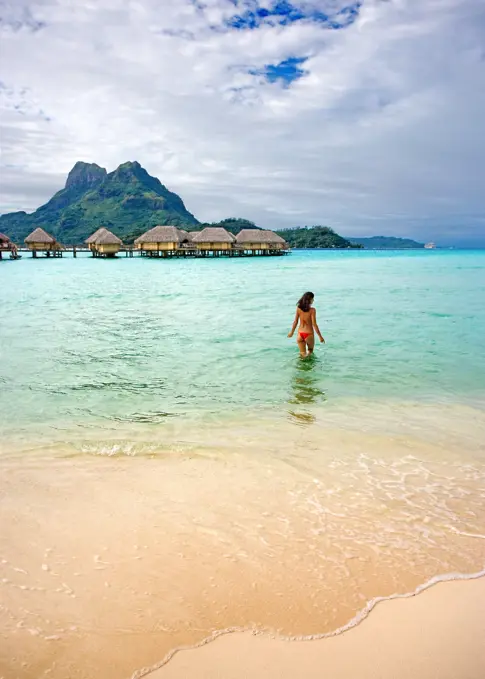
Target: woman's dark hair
306	300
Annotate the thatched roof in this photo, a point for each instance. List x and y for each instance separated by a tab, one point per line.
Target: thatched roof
40	236
160	234
213	234
259	236
108	238
185	235
4	238
93	237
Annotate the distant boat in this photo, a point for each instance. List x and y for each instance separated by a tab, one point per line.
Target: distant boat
430	246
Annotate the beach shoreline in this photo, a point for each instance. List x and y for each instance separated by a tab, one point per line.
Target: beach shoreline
124	558
434	632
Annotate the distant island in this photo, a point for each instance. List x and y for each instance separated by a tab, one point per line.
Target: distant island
387	243
129	201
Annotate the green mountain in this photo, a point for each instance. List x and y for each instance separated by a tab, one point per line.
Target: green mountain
387	243
315	237
125	200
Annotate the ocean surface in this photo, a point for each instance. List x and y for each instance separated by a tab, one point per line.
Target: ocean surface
171	468
92	343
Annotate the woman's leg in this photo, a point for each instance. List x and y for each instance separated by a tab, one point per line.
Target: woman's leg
301	345
310	342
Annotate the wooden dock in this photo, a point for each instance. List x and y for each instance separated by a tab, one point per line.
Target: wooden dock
71	250
131	251
188	250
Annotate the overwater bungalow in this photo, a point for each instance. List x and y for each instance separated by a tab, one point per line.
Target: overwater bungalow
107	244
162	240
41	241
185	237
5	244
214	239
92	238
257	241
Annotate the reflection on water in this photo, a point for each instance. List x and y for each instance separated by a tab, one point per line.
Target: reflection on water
305	389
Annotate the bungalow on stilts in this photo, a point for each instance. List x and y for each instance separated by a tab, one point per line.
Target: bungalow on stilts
41	241
214	240
261	242
161	241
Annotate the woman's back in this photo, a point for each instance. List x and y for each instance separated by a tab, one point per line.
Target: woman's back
306	319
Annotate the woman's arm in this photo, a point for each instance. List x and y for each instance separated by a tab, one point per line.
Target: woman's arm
315	325
293	327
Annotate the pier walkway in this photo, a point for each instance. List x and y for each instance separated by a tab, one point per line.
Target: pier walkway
131	251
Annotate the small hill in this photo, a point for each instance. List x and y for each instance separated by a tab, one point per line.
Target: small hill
387	243
125	200
315	237
232	224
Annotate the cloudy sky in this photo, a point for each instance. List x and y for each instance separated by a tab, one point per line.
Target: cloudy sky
365	116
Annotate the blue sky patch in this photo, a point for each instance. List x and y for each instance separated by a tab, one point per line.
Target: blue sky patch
282	13
286	71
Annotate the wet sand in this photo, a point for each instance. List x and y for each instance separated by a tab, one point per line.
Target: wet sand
115	553
436	635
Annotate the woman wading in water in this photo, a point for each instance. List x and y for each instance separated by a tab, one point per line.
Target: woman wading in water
306	315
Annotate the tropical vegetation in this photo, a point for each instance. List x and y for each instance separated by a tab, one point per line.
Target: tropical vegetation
315	237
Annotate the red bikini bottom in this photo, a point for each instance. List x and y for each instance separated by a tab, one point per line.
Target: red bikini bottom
304	335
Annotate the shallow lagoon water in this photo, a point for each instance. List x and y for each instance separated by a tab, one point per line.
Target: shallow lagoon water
139	340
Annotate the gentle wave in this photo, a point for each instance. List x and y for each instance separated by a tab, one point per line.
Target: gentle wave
356	620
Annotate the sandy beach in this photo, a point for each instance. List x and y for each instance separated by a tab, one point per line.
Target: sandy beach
110	562
437	634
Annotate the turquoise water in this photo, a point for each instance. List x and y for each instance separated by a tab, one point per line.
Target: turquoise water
92	342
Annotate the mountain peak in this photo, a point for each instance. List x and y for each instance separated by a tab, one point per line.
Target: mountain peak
130	165
130	169
128	200
85	175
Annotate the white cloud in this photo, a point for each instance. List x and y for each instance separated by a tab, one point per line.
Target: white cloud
383	135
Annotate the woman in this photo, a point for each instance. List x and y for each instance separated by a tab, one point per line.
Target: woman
306	315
